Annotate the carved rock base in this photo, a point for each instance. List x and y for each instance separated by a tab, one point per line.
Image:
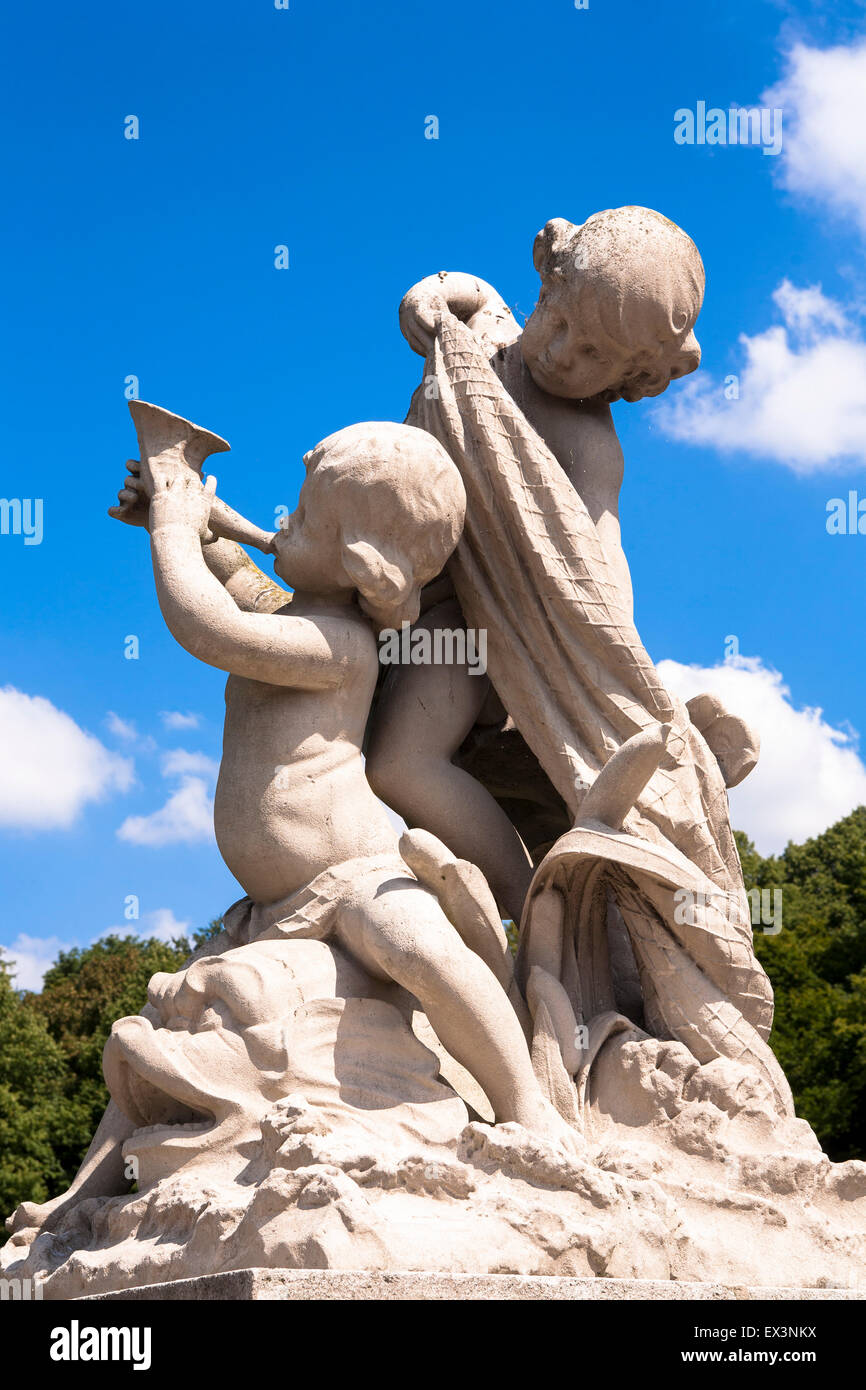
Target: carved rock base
301	1285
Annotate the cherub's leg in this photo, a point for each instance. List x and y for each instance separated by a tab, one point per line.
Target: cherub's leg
423	715
101	1175
400	933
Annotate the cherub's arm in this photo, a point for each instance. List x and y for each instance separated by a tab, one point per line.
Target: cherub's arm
205	619
250	587
472	300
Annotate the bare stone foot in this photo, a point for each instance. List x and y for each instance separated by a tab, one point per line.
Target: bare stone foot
42	1216
546	1122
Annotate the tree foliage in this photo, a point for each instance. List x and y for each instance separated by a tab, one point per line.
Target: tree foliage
34	1114
52	1092
817	965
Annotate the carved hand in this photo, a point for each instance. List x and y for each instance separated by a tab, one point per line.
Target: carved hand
181	500
133	503
465	296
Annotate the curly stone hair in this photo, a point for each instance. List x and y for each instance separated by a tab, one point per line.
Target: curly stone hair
647	278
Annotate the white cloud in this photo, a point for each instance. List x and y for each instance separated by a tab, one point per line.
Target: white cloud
800	394
178	763
802	387
163	924
823	96
160	923
803	309
187	816
51	768
173	719
121	728
31	956
809	774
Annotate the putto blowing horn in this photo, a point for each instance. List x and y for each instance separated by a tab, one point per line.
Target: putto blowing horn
166	439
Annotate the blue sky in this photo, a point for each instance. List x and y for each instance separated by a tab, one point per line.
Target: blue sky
306	127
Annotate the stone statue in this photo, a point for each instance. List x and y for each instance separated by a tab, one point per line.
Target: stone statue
357	1074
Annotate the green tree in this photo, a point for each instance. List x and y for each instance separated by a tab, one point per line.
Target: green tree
213	928
83	994
34	1112
52	1092
817	965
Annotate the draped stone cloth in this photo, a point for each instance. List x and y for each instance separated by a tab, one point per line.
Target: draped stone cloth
568	664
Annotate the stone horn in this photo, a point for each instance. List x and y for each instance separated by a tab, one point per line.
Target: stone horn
167	438
170	439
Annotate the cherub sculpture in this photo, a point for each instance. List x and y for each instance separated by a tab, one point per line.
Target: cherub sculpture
296	821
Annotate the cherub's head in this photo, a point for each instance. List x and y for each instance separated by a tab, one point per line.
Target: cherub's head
619	299
380	511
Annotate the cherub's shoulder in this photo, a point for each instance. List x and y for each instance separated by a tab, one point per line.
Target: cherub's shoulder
566	426
346	632
596	418
594	444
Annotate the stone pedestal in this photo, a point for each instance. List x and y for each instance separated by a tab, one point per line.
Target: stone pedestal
247	1285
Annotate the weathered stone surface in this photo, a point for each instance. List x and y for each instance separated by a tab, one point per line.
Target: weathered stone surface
357	1075
276	1285
359	1156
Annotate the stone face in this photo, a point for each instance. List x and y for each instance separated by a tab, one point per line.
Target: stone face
357	1076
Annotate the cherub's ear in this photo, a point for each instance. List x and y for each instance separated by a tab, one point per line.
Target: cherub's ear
385	582
552	238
